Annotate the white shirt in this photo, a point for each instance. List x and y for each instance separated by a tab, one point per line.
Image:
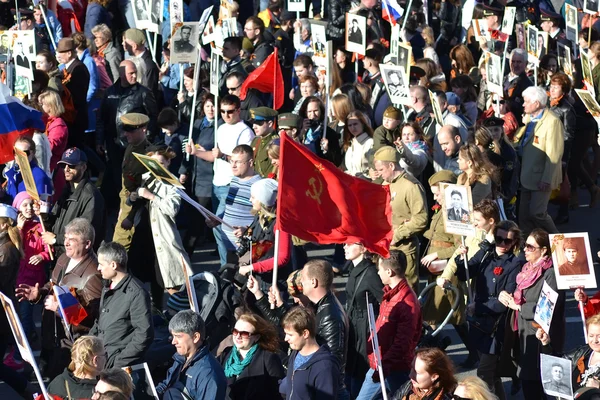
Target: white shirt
356	155
228	137
72	264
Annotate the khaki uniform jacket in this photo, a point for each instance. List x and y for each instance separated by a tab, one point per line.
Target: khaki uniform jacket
409	212
543	152
260	145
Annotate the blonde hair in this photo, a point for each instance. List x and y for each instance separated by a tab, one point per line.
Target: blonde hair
82	355
428	36
52	99
477	389
13	234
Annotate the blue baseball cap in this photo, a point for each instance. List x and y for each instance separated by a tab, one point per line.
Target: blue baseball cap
73	156
453	99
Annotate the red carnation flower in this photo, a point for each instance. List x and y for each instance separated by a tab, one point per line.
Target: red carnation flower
498	271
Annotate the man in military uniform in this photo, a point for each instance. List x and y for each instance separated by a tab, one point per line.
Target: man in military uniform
556	384
550	22
134	129
409	213
183	45
575	263
263	125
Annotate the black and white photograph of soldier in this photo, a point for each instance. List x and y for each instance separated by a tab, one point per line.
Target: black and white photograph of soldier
356	27
395	80
355	35
458	210
184	42
556	376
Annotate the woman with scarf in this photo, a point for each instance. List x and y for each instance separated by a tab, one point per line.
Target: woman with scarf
431	377
414	152
252	366
494	268
523	301
585	360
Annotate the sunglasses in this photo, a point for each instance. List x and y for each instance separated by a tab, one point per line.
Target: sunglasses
529	247
233	89
259	123
500	240
242	334
228	112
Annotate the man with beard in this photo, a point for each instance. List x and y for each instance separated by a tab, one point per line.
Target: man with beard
80	199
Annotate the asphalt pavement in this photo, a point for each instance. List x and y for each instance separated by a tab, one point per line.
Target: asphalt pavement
583	219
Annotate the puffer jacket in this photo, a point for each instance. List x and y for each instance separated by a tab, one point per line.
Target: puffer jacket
566	113
119	100
337	19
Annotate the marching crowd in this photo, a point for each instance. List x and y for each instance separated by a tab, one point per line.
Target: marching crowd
104	227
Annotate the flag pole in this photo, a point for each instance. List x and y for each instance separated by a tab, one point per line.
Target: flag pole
275	266
47	26
469	294
193	113
406	12
274	80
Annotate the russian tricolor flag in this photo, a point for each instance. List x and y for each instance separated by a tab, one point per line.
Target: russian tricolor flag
391	11
15	119
73	311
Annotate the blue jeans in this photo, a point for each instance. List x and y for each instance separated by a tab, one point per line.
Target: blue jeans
219	196
372	390
26	316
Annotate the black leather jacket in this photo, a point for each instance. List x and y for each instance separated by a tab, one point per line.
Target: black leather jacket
332	327
566	113
337	19
119	100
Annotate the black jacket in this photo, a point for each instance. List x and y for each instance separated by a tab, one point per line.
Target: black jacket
252	100
337	19
78	388
566	113
77	79
150	78
334	151
185	108
262	50
125	323
119	100
363	280
513	93
332	327
9	266
83	202
258	380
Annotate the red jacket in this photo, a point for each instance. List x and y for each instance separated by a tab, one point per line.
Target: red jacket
398	329
592	306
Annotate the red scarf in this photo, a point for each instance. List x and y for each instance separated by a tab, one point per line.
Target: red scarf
555	102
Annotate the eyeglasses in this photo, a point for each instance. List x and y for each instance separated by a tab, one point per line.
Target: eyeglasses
530	247
500	240
236	162
242	334
229	112
233	89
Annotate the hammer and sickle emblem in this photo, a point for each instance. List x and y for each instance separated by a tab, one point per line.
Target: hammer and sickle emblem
316	193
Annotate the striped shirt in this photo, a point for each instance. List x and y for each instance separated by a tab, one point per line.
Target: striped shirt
237	208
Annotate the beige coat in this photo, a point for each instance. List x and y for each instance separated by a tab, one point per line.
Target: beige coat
542	154
167	241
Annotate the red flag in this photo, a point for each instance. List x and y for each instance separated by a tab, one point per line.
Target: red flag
266	78
318	202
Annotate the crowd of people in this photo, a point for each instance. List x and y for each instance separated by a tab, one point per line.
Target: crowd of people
121	241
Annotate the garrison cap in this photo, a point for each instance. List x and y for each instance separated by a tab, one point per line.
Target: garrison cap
443	176
288	120
263	114
392	112
133	121
492	9
135	35
387	153
570	243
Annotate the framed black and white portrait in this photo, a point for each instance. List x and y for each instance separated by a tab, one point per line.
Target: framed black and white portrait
184	43
356	34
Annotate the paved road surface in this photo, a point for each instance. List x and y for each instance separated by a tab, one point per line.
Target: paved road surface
581	220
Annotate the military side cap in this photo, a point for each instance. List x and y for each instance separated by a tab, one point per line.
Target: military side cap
392	112
135	35
387	153
288	120
263	114
416	73
492	9
443	176
570	243
493	122
547	15
133	121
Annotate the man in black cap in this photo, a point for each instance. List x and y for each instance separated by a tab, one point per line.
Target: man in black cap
134	130
263	125
76	78
42	40
550	22
79	199
125	96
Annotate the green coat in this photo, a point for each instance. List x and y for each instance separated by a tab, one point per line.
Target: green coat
260	145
